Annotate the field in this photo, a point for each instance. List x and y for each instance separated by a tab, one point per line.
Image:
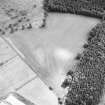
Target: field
62	31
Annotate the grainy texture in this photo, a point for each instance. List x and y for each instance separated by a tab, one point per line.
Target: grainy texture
93	8
87	83
21	15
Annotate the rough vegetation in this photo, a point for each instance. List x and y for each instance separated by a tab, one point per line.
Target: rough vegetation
87	83
21	19
93	8
18	21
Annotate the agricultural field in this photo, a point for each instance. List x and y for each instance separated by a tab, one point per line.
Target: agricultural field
65	31
58	41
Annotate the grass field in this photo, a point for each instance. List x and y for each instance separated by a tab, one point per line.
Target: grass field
62	31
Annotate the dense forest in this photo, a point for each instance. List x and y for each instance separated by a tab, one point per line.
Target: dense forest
87	83
93	8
